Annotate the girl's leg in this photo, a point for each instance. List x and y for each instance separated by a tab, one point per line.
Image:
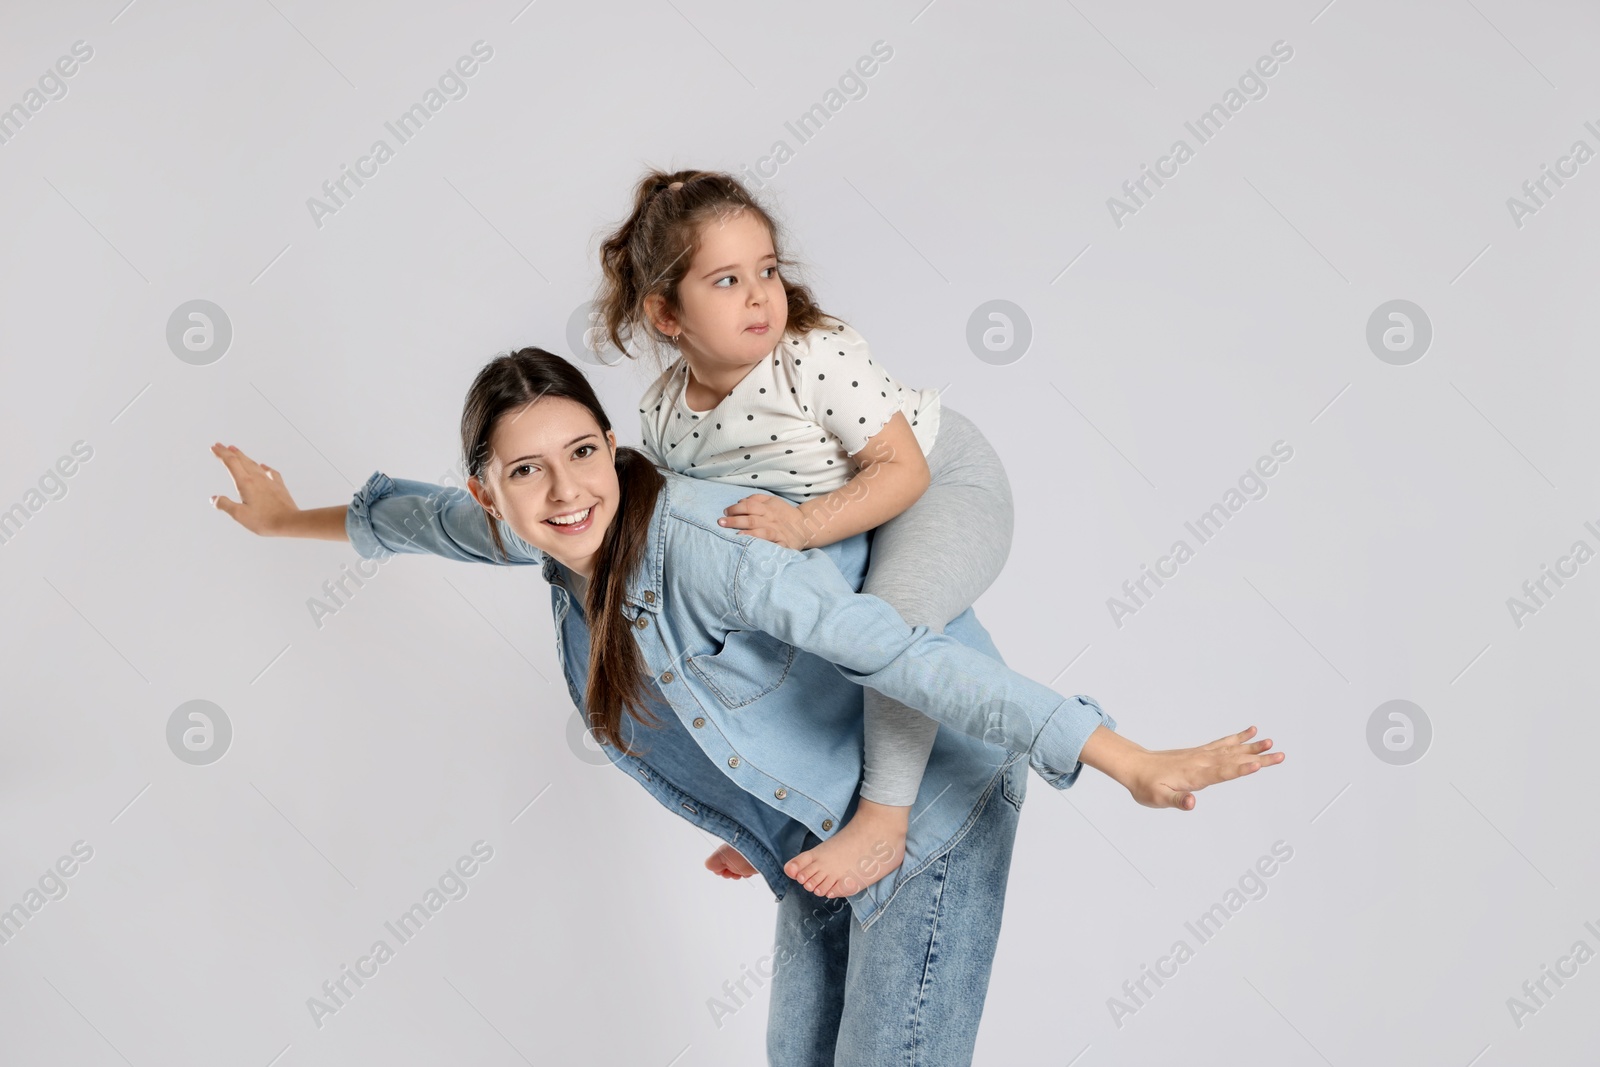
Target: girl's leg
916	981
929	563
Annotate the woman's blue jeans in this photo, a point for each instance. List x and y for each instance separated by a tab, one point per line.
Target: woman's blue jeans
908	992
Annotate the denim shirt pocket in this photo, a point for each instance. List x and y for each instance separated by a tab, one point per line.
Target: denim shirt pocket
749	665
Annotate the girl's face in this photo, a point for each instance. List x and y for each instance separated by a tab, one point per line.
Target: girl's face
735	307
549	459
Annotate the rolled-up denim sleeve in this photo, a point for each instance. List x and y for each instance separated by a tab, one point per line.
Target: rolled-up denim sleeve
802	599
390	515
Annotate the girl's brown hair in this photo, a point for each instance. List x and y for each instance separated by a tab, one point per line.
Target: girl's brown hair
508	383
652	249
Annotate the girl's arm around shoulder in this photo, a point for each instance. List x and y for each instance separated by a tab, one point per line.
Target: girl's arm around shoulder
893	475
854	399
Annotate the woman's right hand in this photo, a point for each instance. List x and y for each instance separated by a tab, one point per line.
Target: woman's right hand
264	506
1169	778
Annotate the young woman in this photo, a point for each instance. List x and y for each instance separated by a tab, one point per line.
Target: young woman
737	663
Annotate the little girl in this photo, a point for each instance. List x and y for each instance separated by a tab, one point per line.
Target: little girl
768	391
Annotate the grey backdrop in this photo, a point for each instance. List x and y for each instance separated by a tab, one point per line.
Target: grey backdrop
1150	355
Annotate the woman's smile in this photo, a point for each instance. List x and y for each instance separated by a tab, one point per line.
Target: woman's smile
573	522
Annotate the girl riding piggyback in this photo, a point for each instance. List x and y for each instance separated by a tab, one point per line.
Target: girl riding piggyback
762	388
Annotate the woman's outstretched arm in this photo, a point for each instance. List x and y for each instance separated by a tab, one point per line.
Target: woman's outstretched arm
802	599
265	507
385	516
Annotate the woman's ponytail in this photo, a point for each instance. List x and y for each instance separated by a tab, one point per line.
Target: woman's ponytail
617	680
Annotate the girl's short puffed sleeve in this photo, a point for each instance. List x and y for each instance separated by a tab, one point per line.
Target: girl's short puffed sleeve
846	391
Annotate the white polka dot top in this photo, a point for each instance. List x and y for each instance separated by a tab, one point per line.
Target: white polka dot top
792	423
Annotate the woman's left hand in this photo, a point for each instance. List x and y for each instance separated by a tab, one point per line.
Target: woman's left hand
771	518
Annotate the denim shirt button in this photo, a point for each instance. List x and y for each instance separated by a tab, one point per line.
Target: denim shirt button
649	597
827	824
667	677
733	761
699	722
780	792
641	622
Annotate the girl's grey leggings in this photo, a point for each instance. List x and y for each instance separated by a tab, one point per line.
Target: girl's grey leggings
930	563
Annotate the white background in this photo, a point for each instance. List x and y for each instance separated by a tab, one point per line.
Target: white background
1229	313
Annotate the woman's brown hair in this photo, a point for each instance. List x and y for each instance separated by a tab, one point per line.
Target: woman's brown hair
650	252
617	680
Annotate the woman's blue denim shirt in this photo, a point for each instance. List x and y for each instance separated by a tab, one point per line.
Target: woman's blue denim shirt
757	653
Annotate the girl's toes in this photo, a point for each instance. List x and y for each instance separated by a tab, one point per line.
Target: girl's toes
800	868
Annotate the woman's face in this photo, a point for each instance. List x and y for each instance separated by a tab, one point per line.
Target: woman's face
731	288
549	459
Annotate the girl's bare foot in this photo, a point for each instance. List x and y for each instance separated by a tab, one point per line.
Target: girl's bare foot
1170	777
869	846
728	863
